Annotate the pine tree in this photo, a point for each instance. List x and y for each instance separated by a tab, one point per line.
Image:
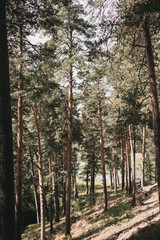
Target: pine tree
140	15
7	218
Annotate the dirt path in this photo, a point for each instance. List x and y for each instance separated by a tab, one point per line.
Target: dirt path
145	213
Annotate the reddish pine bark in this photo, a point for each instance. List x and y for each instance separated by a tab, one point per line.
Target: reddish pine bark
18	208
154	98
122	161
64	178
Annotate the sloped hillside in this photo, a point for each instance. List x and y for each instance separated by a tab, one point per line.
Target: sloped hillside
121	221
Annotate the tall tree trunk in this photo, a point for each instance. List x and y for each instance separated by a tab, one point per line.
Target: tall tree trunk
154	98
69	159
102	156
132	144
75	182
7	208
92	173
64	178
128	165
122	149
150	169
143	155
34	186
51	195
117	176
18	208
55	189
87	179
122	161
115	181
111	173
40	169
126	172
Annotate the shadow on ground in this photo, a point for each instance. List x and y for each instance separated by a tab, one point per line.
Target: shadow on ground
151	232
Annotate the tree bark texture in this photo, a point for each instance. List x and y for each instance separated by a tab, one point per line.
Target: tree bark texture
7	203
18	209
56	194
126	172
154	98
122	162
36	115
69	157
102	156
64	178
75	182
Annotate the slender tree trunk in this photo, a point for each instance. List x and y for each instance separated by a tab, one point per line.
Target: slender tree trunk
51	213
126	173
132	144
55	189
110	171
7	208
115	181
150	169
75	182
128	165
117	176
143	155
40	170
51	195
102	156
154	99
64	178
92	174
34	186
69	159
87	179
122	162
18	209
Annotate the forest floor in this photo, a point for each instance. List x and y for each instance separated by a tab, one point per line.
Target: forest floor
120	222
